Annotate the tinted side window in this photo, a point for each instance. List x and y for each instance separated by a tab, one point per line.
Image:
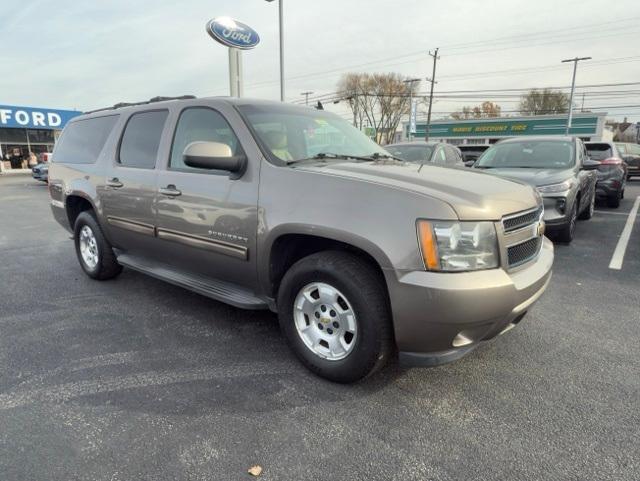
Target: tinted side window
441	157
83	140
141	139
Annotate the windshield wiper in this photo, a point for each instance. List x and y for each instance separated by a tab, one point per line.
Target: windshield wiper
378	156
331	155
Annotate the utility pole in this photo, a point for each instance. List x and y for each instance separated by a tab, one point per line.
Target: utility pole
411	112
575	61
281	28
433	81
306	96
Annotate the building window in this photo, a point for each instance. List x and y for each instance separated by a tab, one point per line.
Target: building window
18	136
40	136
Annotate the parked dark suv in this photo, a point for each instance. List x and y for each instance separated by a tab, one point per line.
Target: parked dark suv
265	205
612	171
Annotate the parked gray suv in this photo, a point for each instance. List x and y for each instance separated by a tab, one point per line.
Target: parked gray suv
266	205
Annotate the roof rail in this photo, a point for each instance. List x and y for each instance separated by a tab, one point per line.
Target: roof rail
150	101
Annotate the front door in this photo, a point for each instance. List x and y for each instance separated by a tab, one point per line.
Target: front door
207	220
128	196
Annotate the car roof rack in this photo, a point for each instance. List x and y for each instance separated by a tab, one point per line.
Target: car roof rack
150	101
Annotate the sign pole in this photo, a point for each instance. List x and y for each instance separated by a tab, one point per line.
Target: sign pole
235	73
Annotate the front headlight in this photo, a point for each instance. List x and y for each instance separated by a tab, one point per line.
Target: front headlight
458	246
555	188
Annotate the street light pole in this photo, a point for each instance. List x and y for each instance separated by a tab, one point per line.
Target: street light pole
410	82
575	61
281	28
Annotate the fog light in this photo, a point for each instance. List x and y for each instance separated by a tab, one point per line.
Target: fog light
561	204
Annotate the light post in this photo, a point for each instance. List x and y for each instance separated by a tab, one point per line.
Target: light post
412	112
280	26
573	86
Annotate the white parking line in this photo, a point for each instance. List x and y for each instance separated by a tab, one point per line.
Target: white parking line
618	254
611	213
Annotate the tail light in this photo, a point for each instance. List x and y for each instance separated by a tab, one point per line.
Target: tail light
611	161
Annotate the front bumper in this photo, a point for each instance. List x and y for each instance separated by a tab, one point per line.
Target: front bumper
433	311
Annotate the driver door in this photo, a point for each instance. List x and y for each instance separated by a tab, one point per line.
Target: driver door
207	219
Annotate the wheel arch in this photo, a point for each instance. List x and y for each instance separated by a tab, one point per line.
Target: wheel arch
288	245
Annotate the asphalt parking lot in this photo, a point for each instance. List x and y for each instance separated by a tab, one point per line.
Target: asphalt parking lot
135	379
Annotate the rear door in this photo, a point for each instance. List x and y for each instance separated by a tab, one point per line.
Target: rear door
207	220
129	193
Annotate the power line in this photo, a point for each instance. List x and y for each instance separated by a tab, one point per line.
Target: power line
470	45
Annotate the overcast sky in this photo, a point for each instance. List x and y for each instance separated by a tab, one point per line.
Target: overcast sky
84	55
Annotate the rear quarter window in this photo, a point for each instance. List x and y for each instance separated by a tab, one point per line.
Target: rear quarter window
82	141
141	139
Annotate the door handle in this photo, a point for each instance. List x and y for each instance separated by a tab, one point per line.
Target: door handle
170	190
114	182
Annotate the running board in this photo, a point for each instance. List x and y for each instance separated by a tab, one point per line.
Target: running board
215	289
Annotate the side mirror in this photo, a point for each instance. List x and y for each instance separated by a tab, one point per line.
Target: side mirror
589	164
213	155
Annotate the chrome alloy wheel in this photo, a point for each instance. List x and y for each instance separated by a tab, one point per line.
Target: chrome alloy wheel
88	247
325	321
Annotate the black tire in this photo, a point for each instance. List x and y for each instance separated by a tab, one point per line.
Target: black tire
366	292
107	266
614	200
588	212
567	232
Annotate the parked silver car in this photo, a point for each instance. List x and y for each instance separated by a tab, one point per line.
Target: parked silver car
265	205
558	167
437	153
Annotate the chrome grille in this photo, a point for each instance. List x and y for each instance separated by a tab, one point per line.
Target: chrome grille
521	253
518	221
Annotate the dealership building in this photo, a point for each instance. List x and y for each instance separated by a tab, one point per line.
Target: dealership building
24	130
587	126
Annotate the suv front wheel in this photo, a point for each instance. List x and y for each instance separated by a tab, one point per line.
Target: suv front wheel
334	313
94	252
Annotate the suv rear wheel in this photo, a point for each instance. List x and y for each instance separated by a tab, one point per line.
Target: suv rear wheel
94	251
334	313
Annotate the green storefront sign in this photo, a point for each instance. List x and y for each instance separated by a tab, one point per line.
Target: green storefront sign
582	126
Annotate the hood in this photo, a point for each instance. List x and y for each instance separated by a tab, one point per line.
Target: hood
473	195
534	177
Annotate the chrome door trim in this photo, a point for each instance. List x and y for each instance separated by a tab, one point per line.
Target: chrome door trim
213	245
139	227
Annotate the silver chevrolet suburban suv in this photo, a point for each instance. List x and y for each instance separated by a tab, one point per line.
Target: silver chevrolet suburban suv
265	205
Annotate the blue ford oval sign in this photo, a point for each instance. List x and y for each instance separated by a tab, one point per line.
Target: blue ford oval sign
232	33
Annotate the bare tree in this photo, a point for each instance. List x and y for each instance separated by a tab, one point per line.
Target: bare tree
546	101
484	110
380	100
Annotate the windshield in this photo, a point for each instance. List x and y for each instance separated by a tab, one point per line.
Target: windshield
411	153
291	133
537	154
599	151
622	148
